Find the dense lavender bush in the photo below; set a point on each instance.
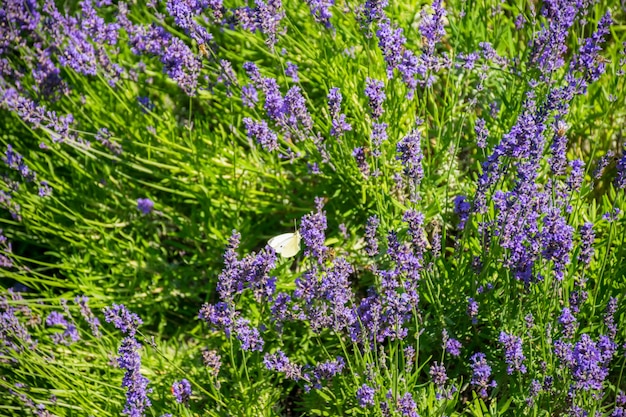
(455, 173)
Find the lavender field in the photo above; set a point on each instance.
(313, 208)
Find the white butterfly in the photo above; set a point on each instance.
(287, 244)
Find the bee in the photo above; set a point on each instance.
(203, 50)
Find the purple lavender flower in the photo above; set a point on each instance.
(472, 310)
(249, 336)
(620, 178)
(212, 360)
(558, 148)
(587, 237)
(292, 71)
(279, 362)
(104, 137)
(462, 208)
(373, 10)
(312, 230)
(88, 315)
(379, 135)
(557, 241)
(481, 372)
(438, 375)
(587, 60)
(182, 391)
(361, 162)
(145, 205)
(453, 347)
(603, 162)
(370, 236)
(609, 317)
(375, 92)
(261, 132)
(533, 391)
(325, 371)
(576, 175)
(391, 43)
(295, 105)
(481, 133)
(569, 323)
(227, 76)
(410, 154)
(16, 162)
(407, 406)
(365, 396)
(320, 9)
(513, 354)
(136, 384)
(432, 26)
(339, 124)
(123, 319)
(249, 95)
(589, 363)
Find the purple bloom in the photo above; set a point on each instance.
(123, 319)
(481, 133)
(379, 135)
(279, 362)
(438, 375)
(407, 406)
(431, 26)
(249, 95)
(609, 317)
(453, 347)
(292, 71)
(261, 132)
(136, 384)
(410, 154)
(587, 60)
(481, 372)
(320, 9)
(324, 371)
(312, 229)
(472, 310)
(391, 43)
(589, 362)
(16, 162)
(533, 392)
(576, 175)
(212, 360)
(339, 124)
(88, 315)
(513, 354)
(103, 136)
(587, 237)
(365, 396)
(557, 241)
(375, 92)
(558, 160)
(249, 336)
(370, 236)
(620, 178)
(295, 106)
(182, 391)
(603, 162)
(462, 208)
(359, 156)
(145, 205)
(569, 323)
(373, 10)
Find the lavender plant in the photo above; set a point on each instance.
(456, 172)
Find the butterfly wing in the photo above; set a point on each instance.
(287, 244)
(292, 246)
